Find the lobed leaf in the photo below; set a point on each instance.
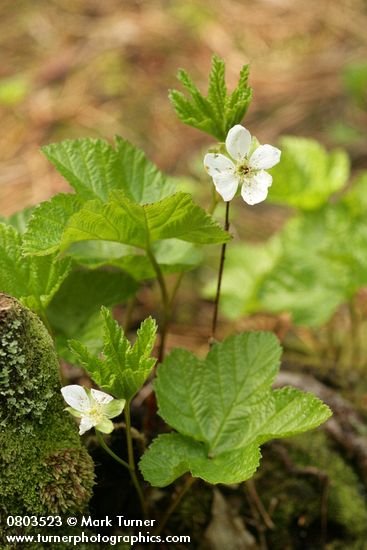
(172, 455)
(307, 270)
(33, 280)
(223, 409)
(120, 220)
(307, 175)
(94, 169)
(141, 181)
(123, 368)
(47, 224)
(88, 165)
(217, 113)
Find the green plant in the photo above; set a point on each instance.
(128, 222)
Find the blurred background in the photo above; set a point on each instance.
(72, 68)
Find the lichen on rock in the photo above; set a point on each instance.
(44, 468)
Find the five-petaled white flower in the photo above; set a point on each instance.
(248, 169)
(93, 407)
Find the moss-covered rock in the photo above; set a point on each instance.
(44, 468)
(294, 489)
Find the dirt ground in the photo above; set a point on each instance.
(73, 68)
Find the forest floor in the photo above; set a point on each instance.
(72, 68)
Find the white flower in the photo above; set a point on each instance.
(247, 169)
(93, 407)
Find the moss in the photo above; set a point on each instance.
(296, 498)
(28, 367)
(44, 468)
(68, 482)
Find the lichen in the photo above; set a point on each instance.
(44, 468)
(25, 388)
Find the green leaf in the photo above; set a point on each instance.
(306, 270)
(81, 296)
(124, 368)
(356, 198)
(217, 91)
(47, 226)
(239, 100)
(246, 267)
(223, 409)
(19, 220)
(218, 112)
(94, 254)
(141, 181)
(310, 288)
(94, 169)
(307, 175)
(89, 165)
(48, 222)
(173, 256)
(355, 81)
(172, 455)
(315, 273)
(33, 280)
(90, 336)
(120, 220)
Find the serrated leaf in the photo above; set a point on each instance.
(217, 90)
(120, 220)
(223, 409)
(33, 280)
(308, 280)
(172, 455)
(19, 220)
(307, 175)
(251, 363)
(94, 169)
(89, 165)
(97, 368)
(308, 287)
(141, 181)
(124, 368)
(217, 113)
(239, 100)
(48, 222)
(307, 270)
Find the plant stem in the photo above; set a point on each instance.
(175, 502)
(130, 452)
(220, 276)
(354, 333)
(253, 494)
(129, 312)
(176, 287)
(110, 451)
(165, 301)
